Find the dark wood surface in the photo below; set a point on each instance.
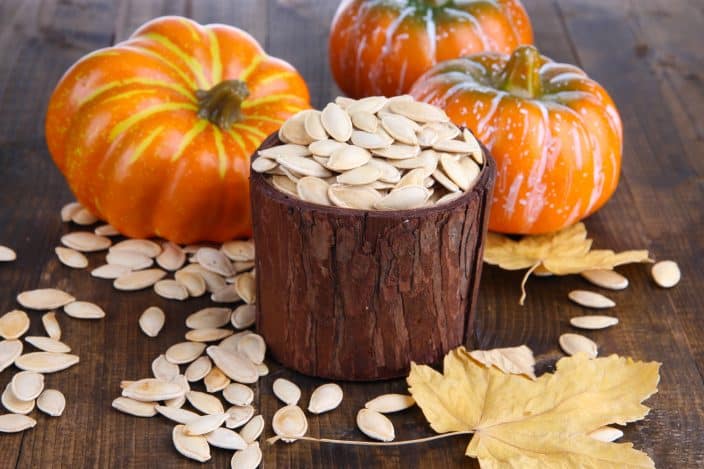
(647, 53)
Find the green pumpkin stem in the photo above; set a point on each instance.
(521, 75)
(222, 104)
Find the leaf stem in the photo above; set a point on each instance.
(426, 439)
(525, 280)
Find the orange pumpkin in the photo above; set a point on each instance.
(154, 135)
(380, 47)
(556, 134)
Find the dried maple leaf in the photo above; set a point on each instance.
(516, 360)
(561, 253)
(543, 423)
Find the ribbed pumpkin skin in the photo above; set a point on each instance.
(122, 126)
(380, 47)
(558, 155)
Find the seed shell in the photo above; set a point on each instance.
(139, 280)
(142, 246)
(606, 279)
(593, 322)
(287, 391)
(172, 256)
(133, 407)
(71, 258)
(248, 458)
(184, 352)
(45, 362)
(171, 290)
(575, 343)
(289, 421)
(152, 320)
(325, 398)
(198, 369)
(388, 403)
(253, 429)
(208, 318)
(239, 415)
(85, 241)
(84, 310)
(206, 403)
(163, 369)
(14, 324)
(238, 394)
(234, 364)
(9, 351)
(193, 447)
(132, 259)
(152, 389)
(226, 439)
(375, 425)
(15, 404)
(590, 299)
(176, 414)
(44, 298)
(336, 122)
(666, 273)
(52, 402)
(47, 344)
(110, 271)
(13, 423)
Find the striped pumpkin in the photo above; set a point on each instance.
(556, 134)
(154, 135)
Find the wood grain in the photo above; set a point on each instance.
(646, 53)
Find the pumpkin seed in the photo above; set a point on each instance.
(240, 251)
(348, 157)
(303, 166)
(234, 364)
(133, 407)
(47, 344)
(238, 394)
(593, 322)
(152, 390)
(172, 256)
(457, 172)
(198, 369)
(414, 177)
(45, 362)
(69, 210)
(388, 403)
(248, 458)
(666, 274)
(7, 254)
(336, 122)
(226, 294)
(365, 121)
(370, 104)
(427, 137)
(288, 149)
(375, 425)
(138, 280)
(214, 260)
(51, 325)
(253, 347)
(444, 181)
(152, 320)
(314, 190)
(207, 318)
(453, 146)
(13, 423)
(476, 149)
(204, 424)
(106, 230)
(84, 310)
(398, 151)
(362, 198)
(590, 299)
(184, 352)
(44, 298)
(51, 402)
(244, 316)
(132, 259)
(606, 434)
(213, 281)
(206, 403)
(575, 343)
(262, 369)
(313, 126)
(207, 335)
(192, 282)
(246, 287)
(293, 130)
(286, 391)
(262, 165)
(14, 404)
(176, 414)
(324, 148)
(370, 140)
(389, 173)
(192, 447)
(71, 258)
(27, 385)
(14, 324)
(344, 102)
(163, 369)
(171, 290)
(239, 415)
(284, 184)
(444, 130)
(110, 271)
(400, 128)
(83, 217)
(427, 159)
(449, 197)
(325, 398)
(9, 351)
(226, 439)
(418, 111)
(289, 421)
(606, 279)
(253, 429)
(142, 246)
(359, 176)
(404, 198)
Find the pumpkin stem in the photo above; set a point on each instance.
(521, 75)
(437, 3)
(222, 103)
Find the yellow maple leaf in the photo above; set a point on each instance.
(561, 253)
(542, 423)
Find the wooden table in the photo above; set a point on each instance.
(646, 52)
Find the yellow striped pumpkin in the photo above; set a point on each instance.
(154, 134)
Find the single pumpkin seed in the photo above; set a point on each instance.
(204, 424)
(365, 121)
(444, 130)
(234, 364)
(133, 407)
(262, 369)
(427, 159)
(9, 351)
(389, 173)
(314, 190)
(336, 122)
(226, 294)
(14, 404)
(152, 320)
(375, 425)
(239, 251)
(400, 128)
(171, 290)
(44, 298)
(606, 279)
(590, 299)
(52, 402)
(192, 281)
(138, 280)
(324, 148)
(213, 281)
(348, 157)
(455, 171)
(427, 137)
(238, 394)
(207, 318)
(666, 274)
(453, 146)
(176, 414)
(414, 177)
(206, 403)
(184, 352)
(303, 166)
(288, 149)
(85, 241)
(370, 104)
(198, 369)
(362, 198)
(84, 310)
(418, 111)
(14, 324)
(445, 181)
(344, 102)
(359, 176)
(449, 197)
(84, 217)
(231, 343)
(239, 415)
(476, 149)
(593, 322)
(245, 286)
(606, 434)
(71, 258)
(172, 256)
(398, 151)
(284, 184)
(207, 335)
(45, 362)
(152, 390)
(287, 391)
(248, 458)
(404, 198)
(226, 439)
(51, 325)
(193, 447)
(253, 429)
(388, 403)
(27, 385)
(106, 230)
(263, 165)
(69, 210)
(47, 344)
(370, 139)
(110, 271)
(214, 260)
(289, 421)
(314, 127)
(132, 259)
(253, 347)
(325, 398)
(142, 246)
(7, 254)
(13, 423)
(293, 130)
(575, 343)
(163, 369)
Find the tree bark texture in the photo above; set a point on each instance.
(357, 295)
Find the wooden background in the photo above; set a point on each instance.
(647, 53)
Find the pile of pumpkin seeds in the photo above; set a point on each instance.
(375, 153)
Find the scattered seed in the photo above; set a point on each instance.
(51, 325)
(593, 322)
(246, 287)
(226, 439)
(176, 414)
(575, 343)
(152, 320)
(14, 324)
(7, 254)
(606, 434)
(262, 369)
(83, 217)
(184, 352)
(163, 369)
(388, 403)
(133, 407)
(45, 362)
(244, 316)
(404, 198)
(336, 122)
(207, 335)
(241, 251)
(71, 258)
(207, 318)
(375, 425)
(84, 310)
(152, 389)
(206, 403)
(44, 298)
(204, 424)
(13, 423)
(9, 351)
(51, 402)
(47, 344)
(238, 394)
(171, 290)
(214, 260)
(253, 429)
(226, 294)
(110, 271)
(248, 458)
(325, 398)
(287, 391)
(142, 246)
(362, 198)
(106, 230)
(132, 259)
(172, 256)
(85, 241)
(194, 282)
(198, 369)
(418, 111)
(234, 364)
(606, 279)
(289, 421)
(138, 280)
(193, 447)
(68, 210)
(590, 299)
(231, 343)
(253, 347)
(666, 273)
(27, 385)
(14, 404)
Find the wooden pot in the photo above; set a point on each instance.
(357, 295)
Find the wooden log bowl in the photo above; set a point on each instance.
(357, 295)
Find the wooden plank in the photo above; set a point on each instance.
(131, 14)
(250, 15)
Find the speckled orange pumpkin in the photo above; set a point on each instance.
(154, 134)
(556, 134)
